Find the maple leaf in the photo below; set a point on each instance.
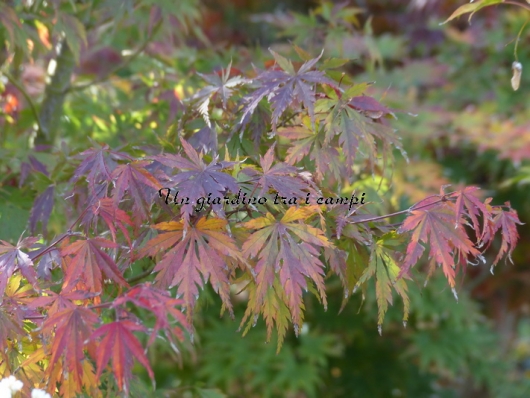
(304, 142)
(73, 326)
(12, 259)
(141, 185)
(106, 209)
(357, 134)
(201, 251)
(97, 165)
(278, 177)
(120, 344)
(199, 179)
(290, 248)
(273, 307)
(89, 262)
(301, 138)
(221, 85)
(467, 200)
(57, 302)
(369, 107)
(205, 140)
(41, 210)
(286, 87)
(506, 221)
(383, 265)
(434, 225)
(161, 305)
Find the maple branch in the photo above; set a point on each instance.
(237, 210)
(102, 305)
(68, 231)
(142, 275)
(398, 213)
(49, 248)
(54, 95)
(31, 317)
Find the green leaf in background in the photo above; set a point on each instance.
(472, 8)
(15, 207)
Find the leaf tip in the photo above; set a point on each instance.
(454, 293)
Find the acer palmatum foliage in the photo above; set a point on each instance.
(132, 264)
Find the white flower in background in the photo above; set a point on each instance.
(9, 385)
(37, 393)
(5, 391)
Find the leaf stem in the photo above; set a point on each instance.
(143, 275)
(398, 213)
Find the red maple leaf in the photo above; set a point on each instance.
(57, 302)
(506, 221)
(141, 185)
(73, 327)
(120, 344)
(106, 209)
(466, 200)
(97, 165)
(161, 305)
(434, 225)
(203, 250)
(89, 262)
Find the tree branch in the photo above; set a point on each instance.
(143, 275)
(54, 95)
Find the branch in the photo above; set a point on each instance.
(444, 198)
(143, 275)
(54, 95)
(70, 228)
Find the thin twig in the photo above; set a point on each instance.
(143, 275)
(59, 240)
(398, 213)
(69, 231)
